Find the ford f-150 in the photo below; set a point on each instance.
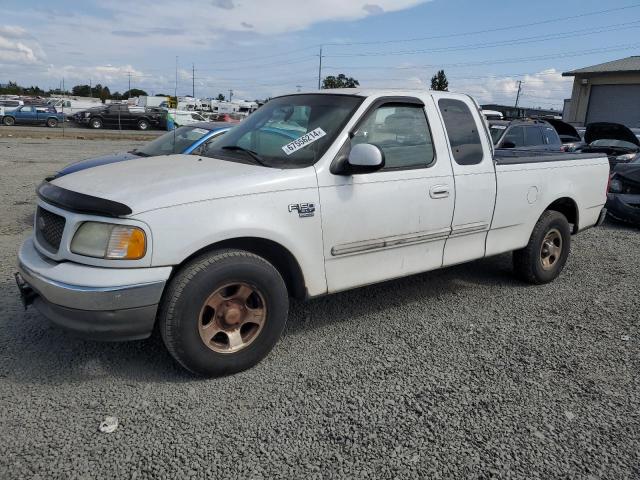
(373, 185)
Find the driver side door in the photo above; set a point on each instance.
(395, 221)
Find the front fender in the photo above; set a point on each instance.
(180, 231)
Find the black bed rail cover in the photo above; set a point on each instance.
(80, 202)
(515, 157)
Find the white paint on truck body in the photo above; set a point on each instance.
(366, 228)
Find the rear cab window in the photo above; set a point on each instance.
(462, 131)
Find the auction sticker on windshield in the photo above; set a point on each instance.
(303, 141)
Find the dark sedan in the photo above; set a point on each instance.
(623, 199)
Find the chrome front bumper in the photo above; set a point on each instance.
(98, 303)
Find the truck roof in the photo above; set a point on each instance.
(381, 92)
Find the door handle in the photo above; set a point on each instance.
(439, 191)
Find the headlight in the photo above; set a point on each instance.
(87, 114)
(105, 240)
(615, 186)
(626, 157)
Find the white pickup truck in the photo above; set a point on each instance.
(312, 194)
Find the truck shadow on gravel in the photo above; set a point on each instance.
(443, 284)
(37, 351)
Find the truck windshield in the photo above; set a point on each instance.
(288, 132)
(170, 143)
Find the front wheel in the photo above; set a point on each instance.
(95, 123)
(52, 122)
(544, 257)
(143, 125)
(9, 121)
(223, 312)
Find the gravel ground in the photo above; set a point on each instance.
(459, 373)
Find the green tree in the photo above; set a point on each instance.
(341, 81)
(104, 93)
(220, 97)
(134, 92)
(439, 82)
(81, 90)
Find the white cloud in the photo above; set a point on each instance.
(13, 31)
(547, 88)
(263, 17)
(16, 52)
(95, 74)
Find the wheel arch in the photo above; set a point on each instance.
(569, 208)
(275, 253)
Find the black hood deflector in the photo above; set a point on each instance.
(80, 202)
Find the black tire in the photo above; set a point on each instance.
(95, 122)
(9, 121)
(52, 122)
(180, 311)
(528, 262)
(143, 125)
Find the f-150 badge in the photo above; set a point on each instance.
(303, 209)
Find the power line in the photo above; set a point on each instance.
(488, 30)
(513, 41)
(576, 53)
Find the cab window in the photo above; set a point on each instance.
(462, 131)
(515, 135)
(402, 132)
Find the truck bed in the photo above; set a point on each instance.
(514, 156)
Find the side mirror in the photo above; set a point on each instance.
(365, 158)
(508, 144)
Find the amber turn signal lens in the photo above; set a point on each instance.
(126, 243)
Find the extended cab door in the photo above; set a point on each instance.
(474, 175)
(395, 221)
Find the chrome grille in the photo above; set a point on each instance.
(49, 229)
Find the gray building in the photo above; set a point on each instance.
(609, 92)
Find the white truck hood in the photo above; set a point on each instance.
(160, 182)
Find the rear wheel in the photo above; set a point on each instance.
(9, 121)
(143, 125)
(544, 257)
(52, 122)
(95, 123)
(223, 312)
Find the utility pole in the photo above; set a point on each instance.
(320, 70)
(518, 96)
(230, 94)
(90, 89)
(129, 91)
(193, 80)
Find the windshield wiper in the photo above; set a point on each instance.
(237, 148)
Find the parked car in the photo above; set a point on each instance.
(184, 117)
(615, 140)
(623, 200)
(381, 185)
(10, 105)
(71, 106)
(492, 115)
(32, 115)
(119, 115)
(187, 139)
(525, 135)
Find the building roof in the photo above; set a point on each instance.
(629, 64)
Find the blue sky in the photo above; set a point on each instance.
(269, 47)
